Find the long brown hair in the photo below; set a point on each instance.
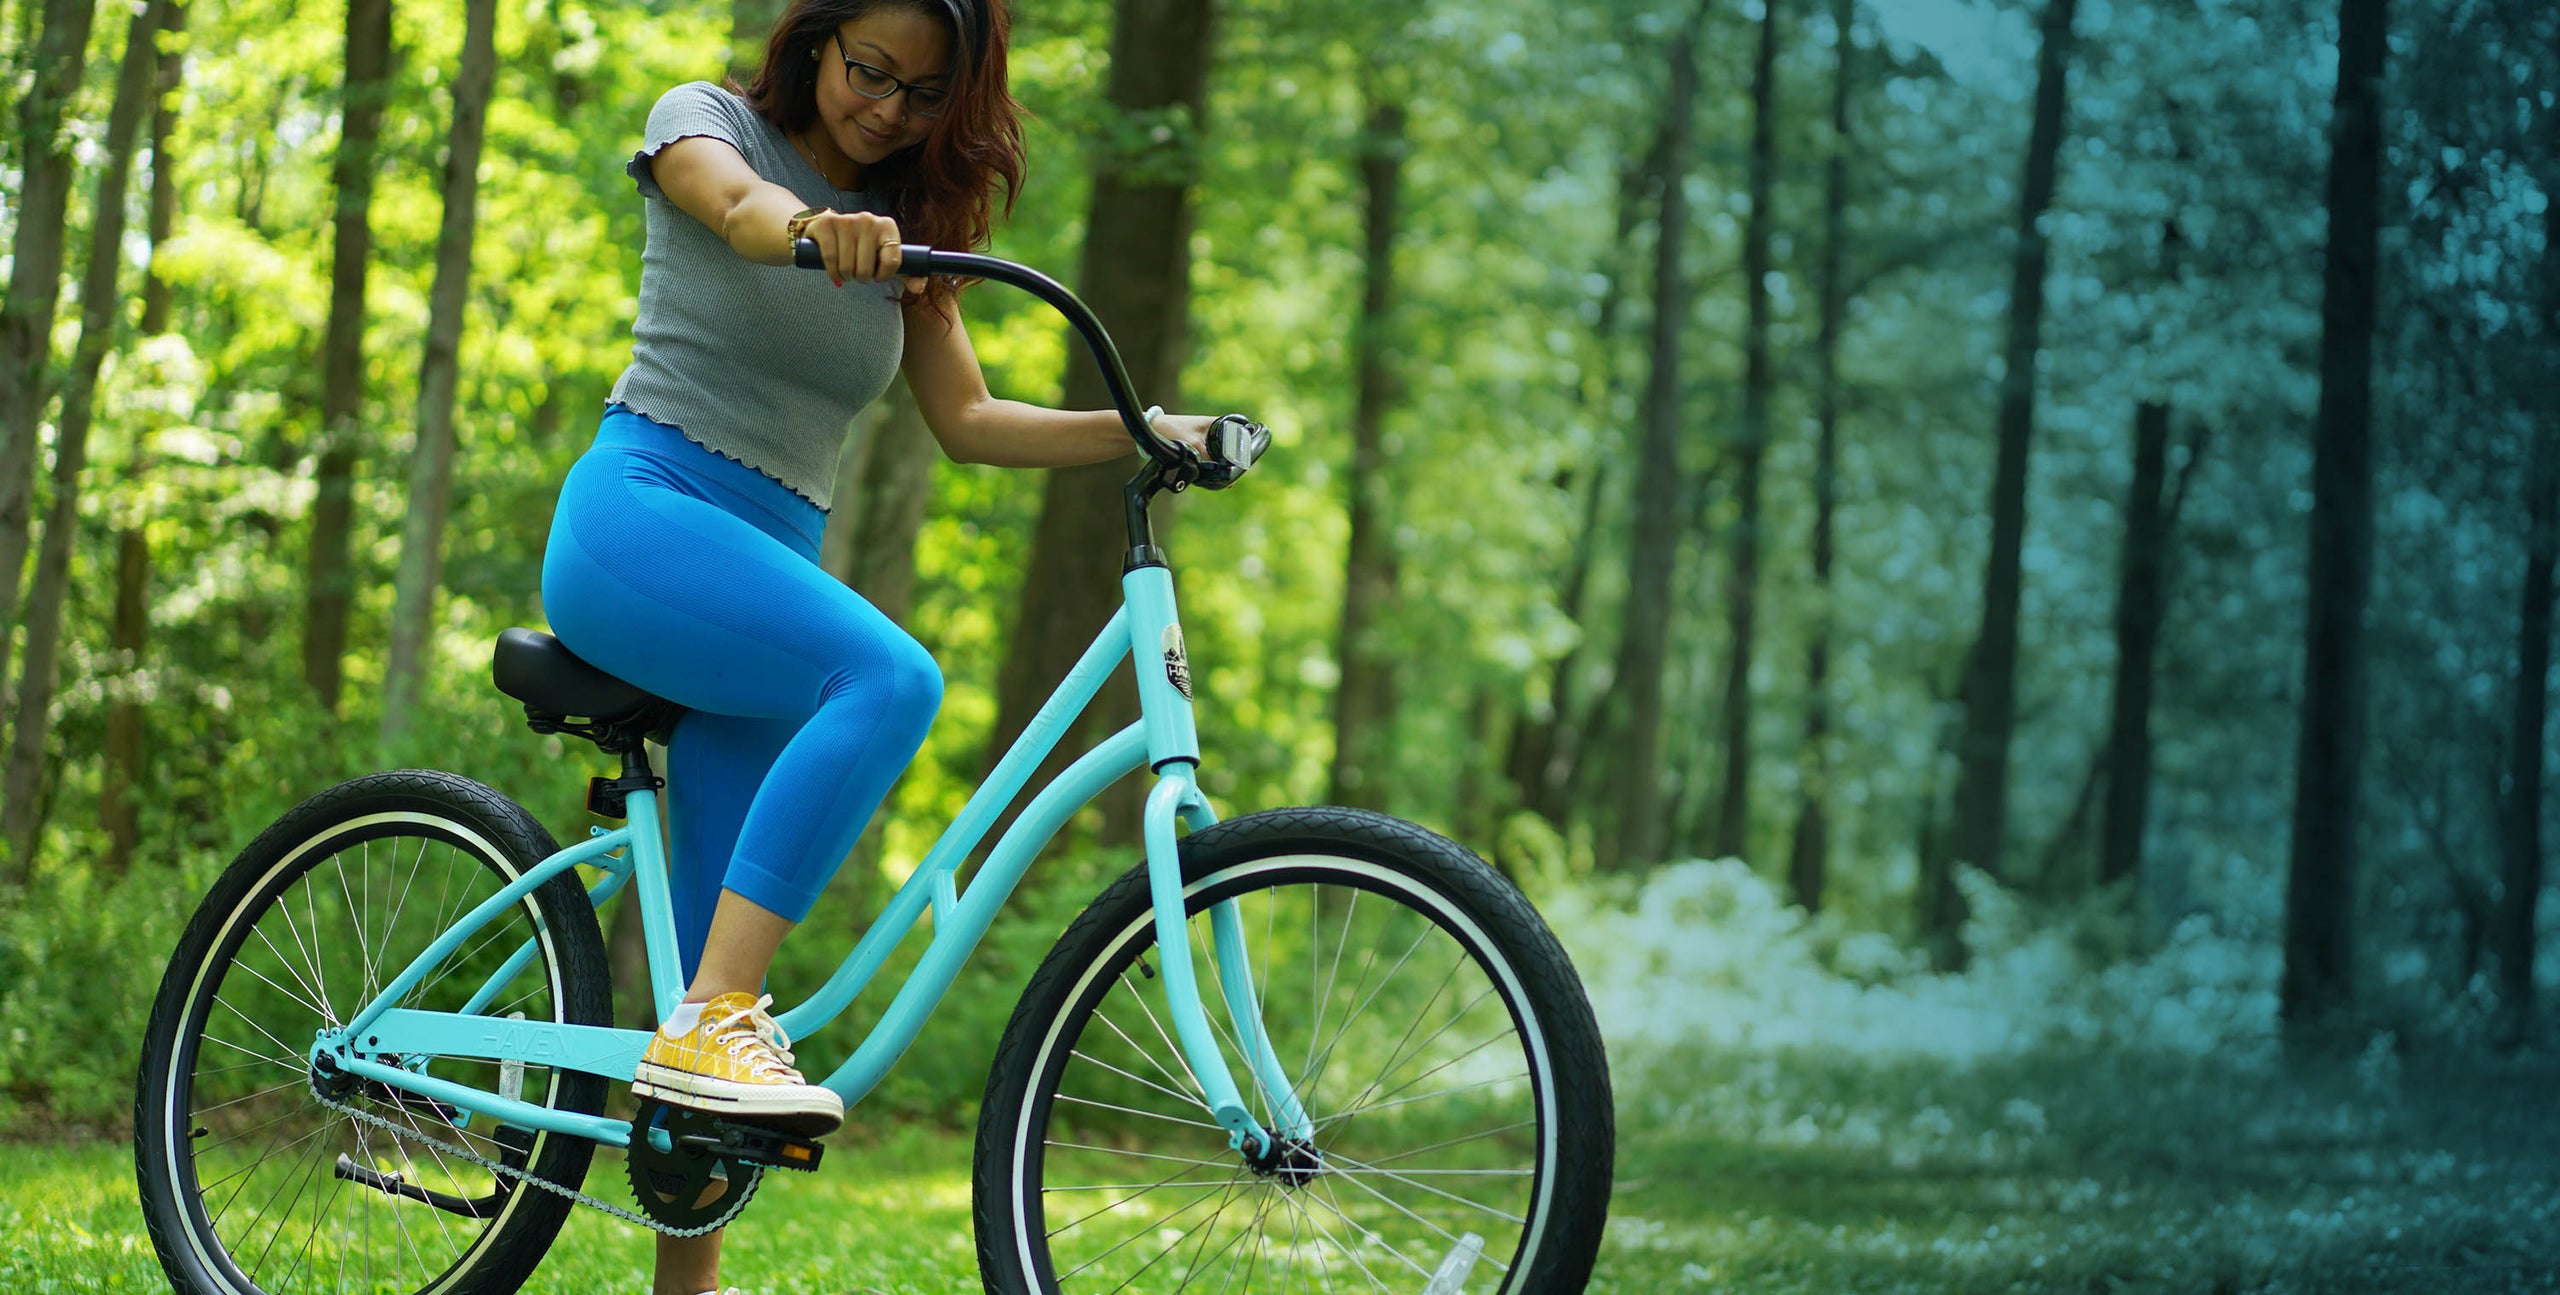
(941, 191)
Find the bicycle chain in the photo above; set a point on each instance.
(527, 1176)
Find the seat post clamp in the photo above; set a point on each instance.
(607, 797)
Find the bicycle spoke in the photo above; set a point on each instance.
(311, 910)
(203, 1111)
(1131, 1110)
(1399, 1057)
(356, 915)
(1169, 1044)
(286, 963)
(1345, 1251)
(1422, 1186)
(245, 1019)
(261, 1056)
(1186, 1208)
(1142, 1155)
(1114, 1026)
(308, 1166)
(1084, 1056)
(1253, 1230)
(1399, 1207)
(1123, 1187)
(1069, 1227)
(263, 1156)
(1224, 1194)
(1472, 1137)
(1339, 1116)
(1334, 1203)
(1506, 1034)
(1325, 1061)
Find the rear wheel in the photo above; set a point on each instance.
(1428, 1022)
(249, 1183)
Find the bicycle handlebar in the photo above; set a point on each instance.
(917, 259)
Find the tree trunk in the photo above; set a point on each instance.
(330, 578)
(1136, 274)
(1365, 698)
(2138, 607)
(2319, 930)
(881, 494)
(1542, 745)
(119, 812)
(1733, 809)
(1980, 825)
(35, 280)
(100, 309)
(750, 23)
(2515, 916)
(1807, 858)
(431, 469)
(1642, 650)
(164, 180)
(2522, 879)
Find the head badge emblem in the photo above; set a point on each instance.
(1176, 666)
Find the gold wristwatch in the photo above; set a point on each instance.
(793, 228)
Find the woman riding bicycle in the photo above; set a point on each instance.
(683, 554)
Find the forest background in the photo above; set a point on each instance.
(1989, 564)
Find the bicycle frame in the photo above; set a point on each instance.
(1145, 630)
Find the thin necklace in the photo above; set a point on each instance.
(803, 142)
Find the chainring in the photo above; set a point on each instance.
(669, 1185)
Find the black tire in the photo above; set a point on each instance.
(1048, 1134)
(354, 859)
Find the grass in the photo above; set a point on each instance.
(2071, 1173)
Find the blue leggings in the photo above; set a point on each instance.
(696, 577)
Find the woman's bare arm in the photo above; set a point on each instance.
(975, 427)
(709, 181)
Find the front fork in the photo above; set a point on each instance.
(1173, 749)
(1177, 794)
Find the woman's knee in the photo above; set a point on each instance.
(916, 684)
(895, 678)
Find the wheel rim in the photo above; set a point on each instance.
(1406, 1035)
(252, 1153)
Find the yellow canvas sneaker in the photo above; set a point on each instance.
(734, 1061)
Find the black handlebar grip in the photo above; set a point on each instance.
(913, 258)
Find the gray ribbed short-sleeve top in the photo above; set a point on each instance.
(765, 364)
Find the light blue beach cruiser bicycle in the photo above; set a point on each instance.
(1303, 1049)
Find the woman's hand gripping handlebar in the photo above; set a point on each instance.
(1234, 441)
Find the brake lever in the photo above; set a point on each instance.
(1182, 464)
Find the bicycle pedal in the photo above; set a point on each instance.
(756, 1146)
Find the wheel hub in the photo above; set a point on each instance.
(329, 1082)
(1292, 1162)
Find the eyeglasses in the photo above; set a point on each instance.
(924, 101)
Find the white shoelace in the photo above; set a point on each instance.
(762, 1048)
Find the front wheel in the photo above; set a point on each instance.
(1430, 1026)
